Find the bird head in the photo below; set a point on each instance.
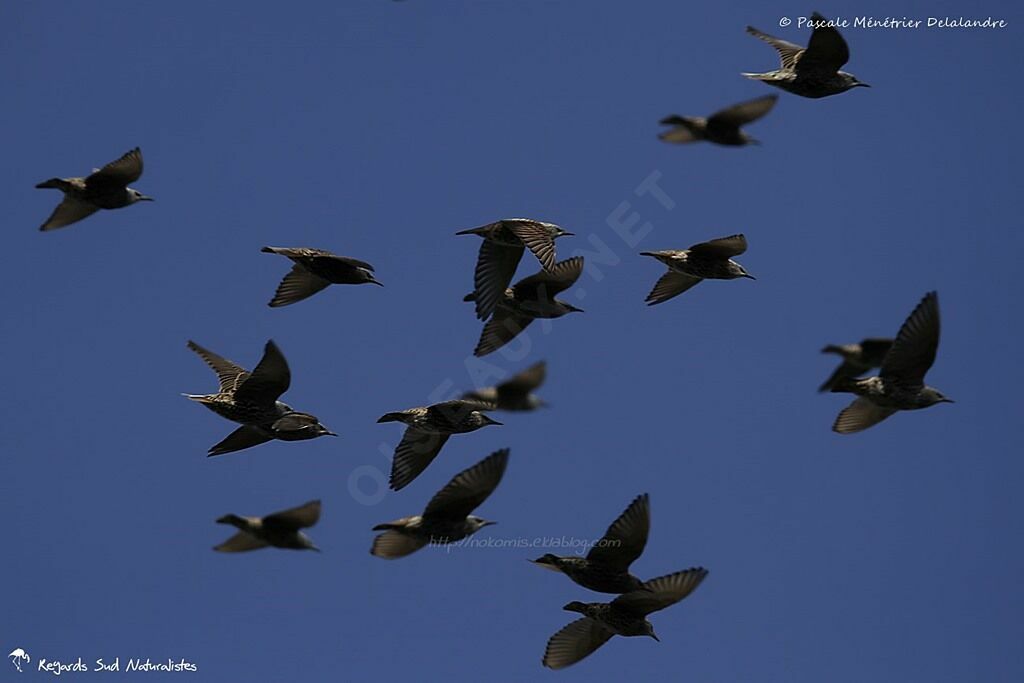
(486, 419)
(933, 396)
(548, 561)
(851, 81)
(477, 523)
(736, 270)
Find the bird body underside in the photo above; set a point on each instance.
(242, 413)
(614, 620)
(597, 577)
(436, 531)
(105, 198)
(706, 269)
(887, 394)
(803, 84)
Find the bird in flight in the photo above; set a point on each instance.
(723, 127)
(705, 261)
(315, 269)
(104, 188)
(280, 529)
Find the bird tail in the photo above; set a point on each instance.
(470, 297)
(832, 348)
(52, 184)
(472, 231)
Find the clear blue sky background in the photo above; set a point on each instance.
(377, 130)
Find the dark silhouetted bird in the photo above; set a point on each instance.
(516, 393)
(314, 269)
(605, 569)
(626, 615)
(447, 517)
(428, 429)
(814, 71)
(502, 248)
(104, 188)
(857, 359)
(705, 261)
(722, 127)
(280, 529)
(251, 399)
(900, 383)
(530, 298)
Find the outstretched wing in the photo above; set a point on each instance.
(574, 642)
(268, 380)
(661, 592)
(788, 52)
(914, 349)
(415, 452)
(117, 174)
(743, 113)
(293, 519)
(826, 51)
(297, 285)
(230, 374)
(626, 537)
(669, 285)
(469, 488)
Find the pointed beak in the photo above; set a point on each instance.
(495, 422)
(947, 400)
(329, 433)
(655, 637)
(864, 85)
(487, 523)
(376, 282)
(748, 275)
(574, 309)
(146, 198)
(566, 233)
(753, 141)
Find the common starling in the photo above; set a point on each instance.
(447, 518)
(251, 399)
(314, 269)
(857, 359)
(626, 615)
(900, 383)
(722, 127)
(502, 248)
(515, 394)
(104, 188)
(705, 261)
(605, 569)
(530, 298)
(812, 71)
(280, 529)
(428, 429)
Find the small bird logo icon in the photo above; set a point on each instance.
(18, 656)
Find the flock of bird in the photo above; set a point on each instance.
(252, 398)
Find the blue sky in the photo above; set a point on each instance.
(379, 129)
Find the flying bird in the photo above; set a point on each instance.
(605, 569)
(516, 393)
(251, 399)
(900, 383)
(447, 517)
(104, 188)
(813, 71)
(428, 429)
(315, 269)
(500, 252)
(857, 359)
(723, 127)
(530, 298)
(705, 261)
(280, 529)
(626, 615)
